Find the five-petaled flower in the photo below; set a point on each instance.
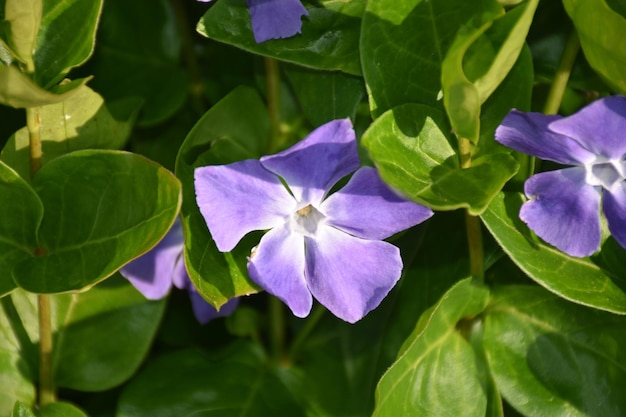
(153, 274)
(564, 205)
(275, 19)
(327, 247)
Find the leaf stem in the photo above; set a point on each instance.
(33, 124)
(472, 223)
(563, 71)
(277, 329)
(272, 79)
(310, 323)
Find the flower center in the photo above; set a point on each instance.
(604, 173)
(306, 220)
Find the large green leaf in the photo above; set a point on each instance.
(414, 155)
(329, 38)
(15, 379)
(191, 384)
(59, 409)
(20, 28)
(579, 280)
(436, 372)
(223, 135)
(551, 358)
(21, 212)
(82, 121)
(598, 27)
(66, 38)
(101, 210)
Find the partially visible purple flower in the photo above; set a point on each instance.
(154, 273)
(275, 19)
(564, 206)
(327, 247)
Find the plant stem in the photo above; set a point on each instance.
(272, 79)
(563, 71)
(472, 223)
(277, 329)
(310, 323)
(33, 124)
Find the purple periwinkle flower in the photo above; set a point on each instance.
(153, 274)
(327, 247)
(275, 19)
(564, 205)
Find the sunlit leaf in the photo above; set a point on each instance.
(20, 28)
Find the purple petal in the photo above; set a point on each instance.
(277, 265)
(152, 272)
(275, 19)
(205, 312)
(529, 133)
(564, 210)
(348, 275)
(599, 127)
(315, 164)
(614, 206)
(238, 198)
(366, 207)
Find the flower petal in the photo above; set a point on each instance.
(238, 198)
(564, 210)
(529, 133)
(205, 312)
(614, 206)
(367, 208)
(315, 164)
(152, 272)
(277, 265)
(599, 127)
(348, 275)
(275, 19)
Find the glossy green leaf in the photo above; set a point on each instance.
(223, 135)
(414, 155)
(436, 373)
(554, 358)
(326, 96)
(82, 121)
(329, 38)
(19, 91)
(101, 210)
(402, 64)
(189, 383)
(20, 28)
(18, 236)
(576, 279)
(66, 38)
(138, 54)
(598, 27)
(16, 381)
(60, 409)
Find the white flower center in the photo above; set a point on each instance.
(605, 173)
(306, 220)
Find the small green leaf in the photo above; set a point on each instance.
(60, 409)
(553, 358)
(66, 38)
(82, 121)
(436, 372)
(414, 155)
(101, 210)
(20, 28)
(223, 135)
(18, 237)
(579, 280)
(16, 380)
(329, 38)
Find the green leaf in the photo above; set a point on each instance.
(326, 96)
(60, 409)
(413, 155)
(402, 64)
(598, 26)
(19, 91)
(101, 210)
(66, 38)
(82, 121)
(20, 27)
(18, 237)
(16, 381)
(189, 383)
(329, 38)
(553, 358)
(436, 373)
(223, 135)
(579, 280)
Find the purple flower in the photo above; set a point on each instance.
(564, 206)
(154, 273)
(275, 19)
(329, 248)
